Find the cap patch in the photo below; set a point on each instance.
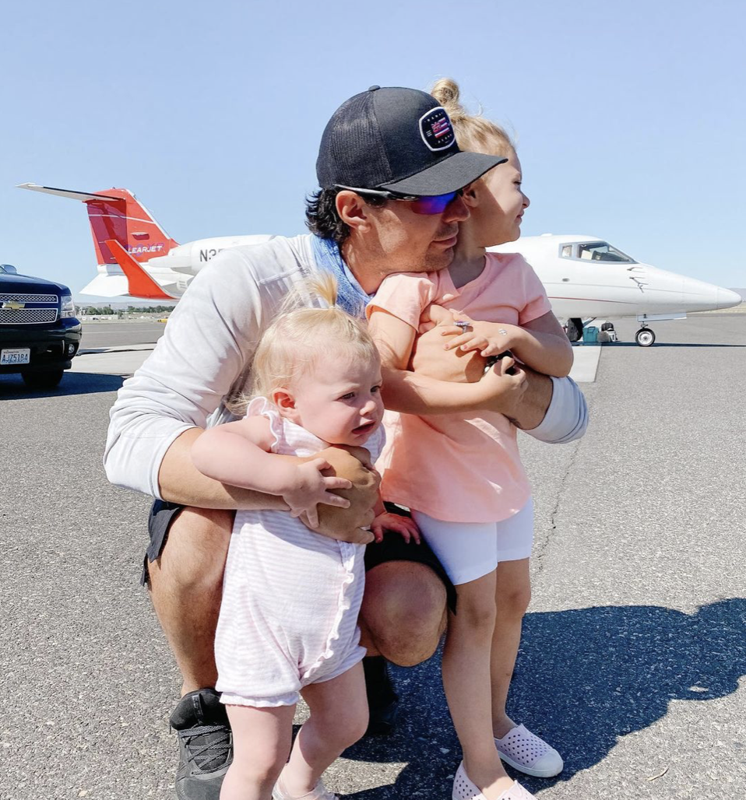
(436, 130)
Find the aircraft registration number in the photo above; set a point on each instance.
(18, 355)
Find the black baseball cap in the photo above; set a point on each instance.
(399, 140)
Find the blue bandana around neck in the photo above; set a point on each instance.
(350, 295)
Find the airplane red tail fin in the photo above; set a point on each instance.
(119, 216)
(115, 214)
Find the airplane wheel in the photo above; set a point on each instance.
(645, 337)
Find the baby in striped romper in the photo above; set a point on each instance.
(291, 597)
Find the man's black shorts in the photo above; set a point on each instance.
(392, 548)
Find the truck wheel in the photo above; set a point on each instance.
(43, 380)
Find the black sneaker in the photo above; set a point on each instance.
(205, 745)
(383, 701)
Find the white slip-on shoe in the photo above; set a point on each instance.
(319, 792)
(529, 754)
(465, 789)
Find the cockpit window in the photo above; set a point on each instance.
(566, 251)
(602, 251)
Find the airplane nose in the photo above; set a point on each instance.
(728, 299)
(701, 296)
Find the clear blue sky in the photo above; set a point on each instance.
(630, 117)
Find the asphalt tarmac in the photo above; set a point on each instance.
(634, 648)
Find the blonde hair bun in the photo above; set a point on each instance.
(447, 93)
(473, 132)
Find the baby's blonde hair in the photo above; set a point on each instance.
(299, 338)
(473, 132)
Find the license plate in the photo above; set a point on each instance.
(19, 355)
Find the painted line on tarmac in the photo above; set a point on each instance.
(585, 366)
(121, 361)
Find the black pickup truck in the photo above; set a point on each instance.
(39, 334)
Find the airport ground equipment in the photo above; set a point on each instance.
(39, 333)
(590, 334)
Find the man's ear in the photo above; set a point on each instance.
(285, 403)
(352, 210)
(470, 193)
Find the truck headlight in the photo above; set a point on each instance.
(67, 307)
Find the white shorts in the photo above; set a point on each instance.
(470, 550)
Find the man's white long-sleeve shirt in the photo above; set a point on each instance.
(203, 356)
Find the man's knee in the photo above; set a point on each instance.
(403, 611)
(193, 556)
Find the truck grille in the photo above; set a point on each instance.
(27, 316)
(32, 313)
(5, 297)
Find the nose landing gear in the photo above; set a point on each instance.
(645, 337)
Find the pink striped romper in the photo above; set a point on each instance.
(291, 597)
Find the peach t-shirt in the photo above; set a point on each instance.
(459, 467)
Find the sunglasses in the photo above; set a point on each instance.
(428, 206)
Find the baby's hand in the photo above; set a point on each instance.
(489, 338)
(312, 488)
(406, 526)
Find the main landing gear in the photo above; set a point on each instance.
(644, 337)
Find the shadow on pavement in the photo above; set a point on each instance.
(584, 678)
(13, 387)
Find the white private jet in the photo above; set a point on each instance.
(585, 278)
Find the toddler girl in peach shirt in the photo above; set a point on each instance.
(460, 472)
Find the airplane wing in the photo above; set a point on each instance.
(107, 286)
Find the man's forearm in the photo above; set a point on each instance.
(534, 404)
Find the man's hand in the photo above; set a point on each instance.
(431, 359)
(311, 487)
(347, 524)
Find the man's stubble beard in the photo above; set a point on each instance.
(441, 261)
(436, 261)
